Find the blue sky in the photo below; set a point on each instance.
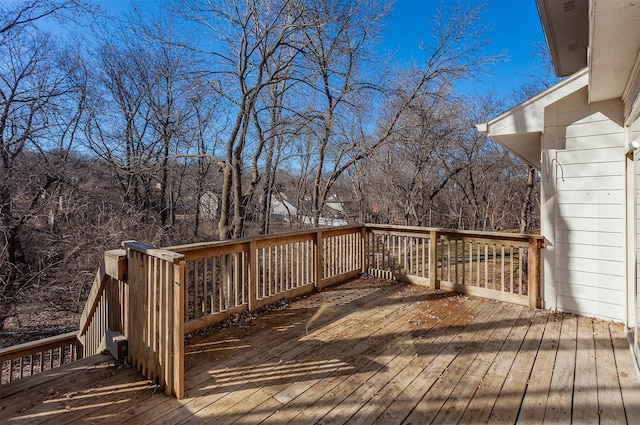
(513, 28)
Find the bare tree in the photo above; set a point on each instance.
(343, 88)
(197, 146)
(248, 39)
(118, 129)
(339, 38)
(155, 85)
(28, 14)
(272, 134)
(170, 83)
(42, 96)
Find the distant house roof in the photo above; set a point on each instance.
(519, 129)
(287, 210)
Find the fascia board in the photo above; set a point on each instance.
(528, 117)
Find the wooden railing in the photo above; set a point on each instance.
(107, 303)
(501, 266)
(223, 278)
(27, 359)
(154, 313)
(155, 296)
(341, 256)
(103, 311)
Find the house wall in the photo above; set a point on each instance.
(633, 267)
(583, 201)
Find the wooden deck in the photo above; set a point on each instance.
(364, 352)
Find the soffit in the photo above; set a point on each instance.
(566, 29)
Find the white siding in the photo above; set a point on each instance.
(613, 183)
(582, 162)
(592, 210)
(586, 306)
(606, 295)
(592, 196)
(585, 170)
(592, 252)
(589, 229)
(575, 263)
(574, 277)
(595, 224)
(587, 238)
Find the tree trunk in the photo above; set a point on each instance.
(527, 205)
(225, 205)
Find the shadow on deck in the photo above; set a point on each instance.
(368, 351)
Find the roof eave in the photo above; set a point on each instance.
(566, 30)
(519, 129)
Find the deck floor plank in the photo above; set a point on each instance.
(355, 342)
(367, 358)
(462, 396)
(436, 356)
(539, 383)
(486, 395)
(138, 404)
(97, 384)
(394, 361)
(464, 349)
(318, 318)
(335, 350)
(327, 318)
(308, 317)
(393, 386)
(627, 377)
(507, 405)
(365, 352)
(610, 404)
(558, 409)
(322, 359)
(319, 400)
(585, 399)
(36, 382)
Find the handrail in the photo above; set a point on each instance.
(510, 236)
(33, 347)
(184, 249)
(488, 264)
(150, 250)
(36, 356)
(113, 266)
(223, 278)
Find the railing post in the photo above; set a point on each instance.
(133, 277)
(533, 269)
(363, 249)
(253, 275)
(113, 300)
(433, 259)
(317, 245)
(178, 329)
